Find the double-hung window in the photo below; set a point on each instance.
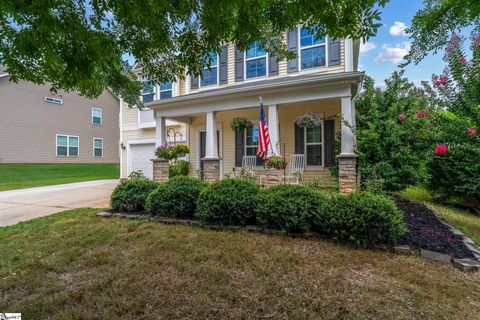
(148, 91)
(97, 147)
(255, 61)
(96, 116)
(251, 142)
(67, 146)
(314, 146)
(312, 49)
(166, 90)
(210, 73)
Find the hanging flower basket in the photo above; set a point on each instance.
(309, 120)
(239, 124)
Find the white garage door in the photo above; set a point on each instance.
(140, 158)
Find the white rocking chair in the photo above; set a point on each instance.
(296, 168)
(249, 162)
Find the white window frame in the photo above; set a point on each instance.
(245, 139)
(245, 60)
(218, 75)
(155, 91)
(305, 144)
(68, 145)
(101, 115)
(300, 48)
(95, 156)
(159, 90)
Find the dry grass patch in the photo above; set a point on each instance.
(74, 265)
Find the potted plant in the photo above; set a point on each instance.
(165, 152)
(240, 123)
(309, 120)
(276, 162)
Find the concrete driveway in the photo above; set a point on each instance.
(26, 204)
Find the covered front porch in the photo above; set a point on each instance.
(217, 151)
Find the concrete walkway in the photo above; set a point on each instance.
(25, 204)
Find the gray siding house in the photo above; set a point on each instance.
(37, 126)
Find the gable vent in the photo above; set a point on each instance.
(53, 100)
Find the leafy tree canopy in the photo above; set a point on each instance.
(80, 45)
(432, 26)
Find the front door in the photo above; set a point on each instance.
(203, 146)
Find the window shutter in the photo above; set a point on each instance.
(292, 42)
(223, 64)
(238, 65)
(299, 140)
(334, 55)
(329, 141)
(193, 82)
(239, 147)
(272, 65)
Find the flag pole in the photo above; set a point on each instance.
(271, 145)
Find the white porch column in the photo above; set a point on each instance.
(211, 148)
(274, 147)
(161, 131)
(347, 138)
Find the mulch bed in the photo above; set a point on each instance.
(426, 231)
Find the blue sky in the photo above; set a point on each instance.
(381, 55)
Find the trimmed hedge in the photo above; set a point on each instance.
(176, 198)
(290, 208)
(130, 195)
(362, 218)
(228, 202)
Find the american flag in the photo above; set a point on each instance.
(263, 136)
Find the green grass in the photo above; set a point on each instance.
(462, 220)
(19, 176)
(75, 265)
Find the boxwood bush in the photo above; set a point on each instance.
(176, 198)
(228, 202)
(362, 218)
(130, 195)
(290, 208)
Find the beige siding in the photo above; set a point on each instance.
(28, 125)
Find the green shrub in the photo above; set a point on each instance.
(130, 195)
(179, 168)
(176, 198)
(362, 218)
(289, 208)
(228, 202)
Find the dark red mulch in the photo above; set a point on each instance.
(426, 231)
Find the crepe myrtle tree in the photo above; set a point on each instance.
(82, 45)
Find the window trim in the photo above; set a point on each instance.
(160, 91)
(245, 146)
(68, 145)
(245, 60)
(218, 75)
(300, 48)
(95, 156)
(322, 144)
(154, 92)
(101, 116)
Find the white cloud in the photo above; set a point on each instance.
(398, 29)
(367, 47)
(394, 54)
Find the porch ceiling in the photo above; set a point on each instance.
(283, 90)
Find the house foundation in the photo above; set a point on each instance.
(211, 169)
(347, 173)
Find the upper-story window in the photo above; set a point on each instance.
(312, 49)
(210, 72)
(255, 61)
(96, 116)
(148, 91)
(166, 90)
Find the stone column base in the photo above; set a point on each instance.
(160, 170)
(347, 173)
(211, 169)
(273, 177)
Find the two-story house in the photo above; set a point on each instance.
(323, 79)
(37, 126)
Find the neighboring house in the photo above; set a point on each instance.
(37, 126)
(322, 79)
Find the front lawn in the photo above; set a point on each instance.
(19, 176)
(75, 265)
(462, 220)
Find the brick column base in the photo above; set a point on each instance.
(211, 169)
(273, 177)
(160, 170)
(347, 173)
